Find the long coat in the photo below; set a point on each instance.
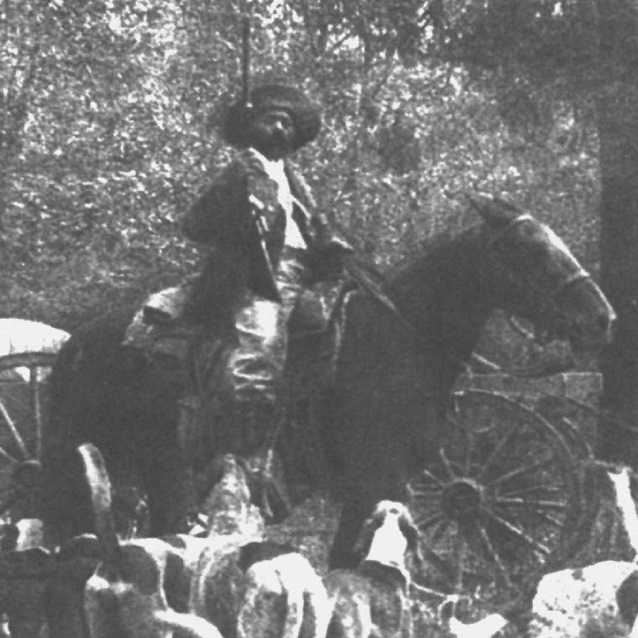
(223, 219)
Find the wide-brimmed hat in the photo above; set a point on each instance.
(305, 114)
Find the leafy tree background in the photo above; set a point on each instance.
(108, 131)
(109, 110)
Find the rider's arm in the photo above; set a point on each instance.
(221, 214)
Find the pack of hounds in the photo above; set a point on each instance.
(229, 582)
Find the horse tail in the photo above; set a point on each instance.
(101, 503)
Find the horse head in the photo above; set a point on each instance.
(541, 280)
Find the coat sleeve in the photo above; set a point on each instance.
(221, 215)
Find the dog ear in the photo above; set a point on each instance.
(144, 569)
(364, 540)
(412, 535)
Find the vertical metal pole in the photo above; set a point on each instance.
(245, 61)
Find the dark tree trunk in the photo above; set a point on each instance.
(618, 129)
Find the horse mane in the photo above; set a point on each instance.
(428, 249)
(383, 279)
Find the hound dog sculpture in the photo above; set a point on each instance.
(600, 599)
(248, 587)
(372, 600)
(125, 596)
(232, 580)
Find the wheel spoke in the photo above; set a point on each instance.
(552, 520)
(540, 464)
(424, 491)
(519, 533)
(469, 447)
(496, 452)
(493, 554)
(460, 553)
(423, 524)
(8, 457)
(553, 505)
(14, 431)
(468, 454)
(36, 408)
(21, 432)
(432, 477)
(540, 509)
(547, 488)
(447, 464)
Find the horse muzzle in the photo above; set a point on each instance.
(590, 318)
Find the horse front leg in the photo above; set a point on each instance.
(168, 486)
(359, 503)
(353, 515)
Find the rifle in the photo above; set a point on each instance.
(256, 206)
(245, 61)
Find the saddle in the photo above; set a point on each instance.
(171, 340)
(193, 357)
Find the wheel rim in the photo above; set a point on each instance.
(502, 497)
(21, 422)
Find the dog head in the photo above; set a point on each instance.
(122, 600)
(229, 504)
(390, 537)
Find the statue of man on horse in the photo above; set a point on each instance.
(267, 244)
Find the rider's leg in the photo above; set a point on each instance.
(256, 368)
(256, 365)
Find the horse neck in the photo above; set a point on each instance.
(445, 296)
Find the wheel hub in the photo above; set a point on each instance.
(461, 499)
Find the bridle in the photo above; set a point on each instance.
(554, 296)
(570, 282)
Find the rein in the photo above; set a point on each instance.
(576, 278)
(549, 299)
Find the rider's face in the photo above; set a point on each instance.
(273, 133)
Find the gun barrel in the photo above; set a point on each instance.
(245, 61)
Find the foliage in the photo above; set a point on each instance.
(108, 132)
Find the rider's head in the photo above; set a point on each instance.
(278, 120)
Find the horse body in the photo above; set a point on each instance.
(393, 380)
(105, 394)
(395, 370)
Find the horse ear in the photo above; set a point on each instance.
(494, 211)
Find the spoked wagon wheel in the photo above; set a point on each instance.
(22, 406)
(503, 498)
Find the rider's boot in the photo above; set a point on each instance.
(256, 425)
